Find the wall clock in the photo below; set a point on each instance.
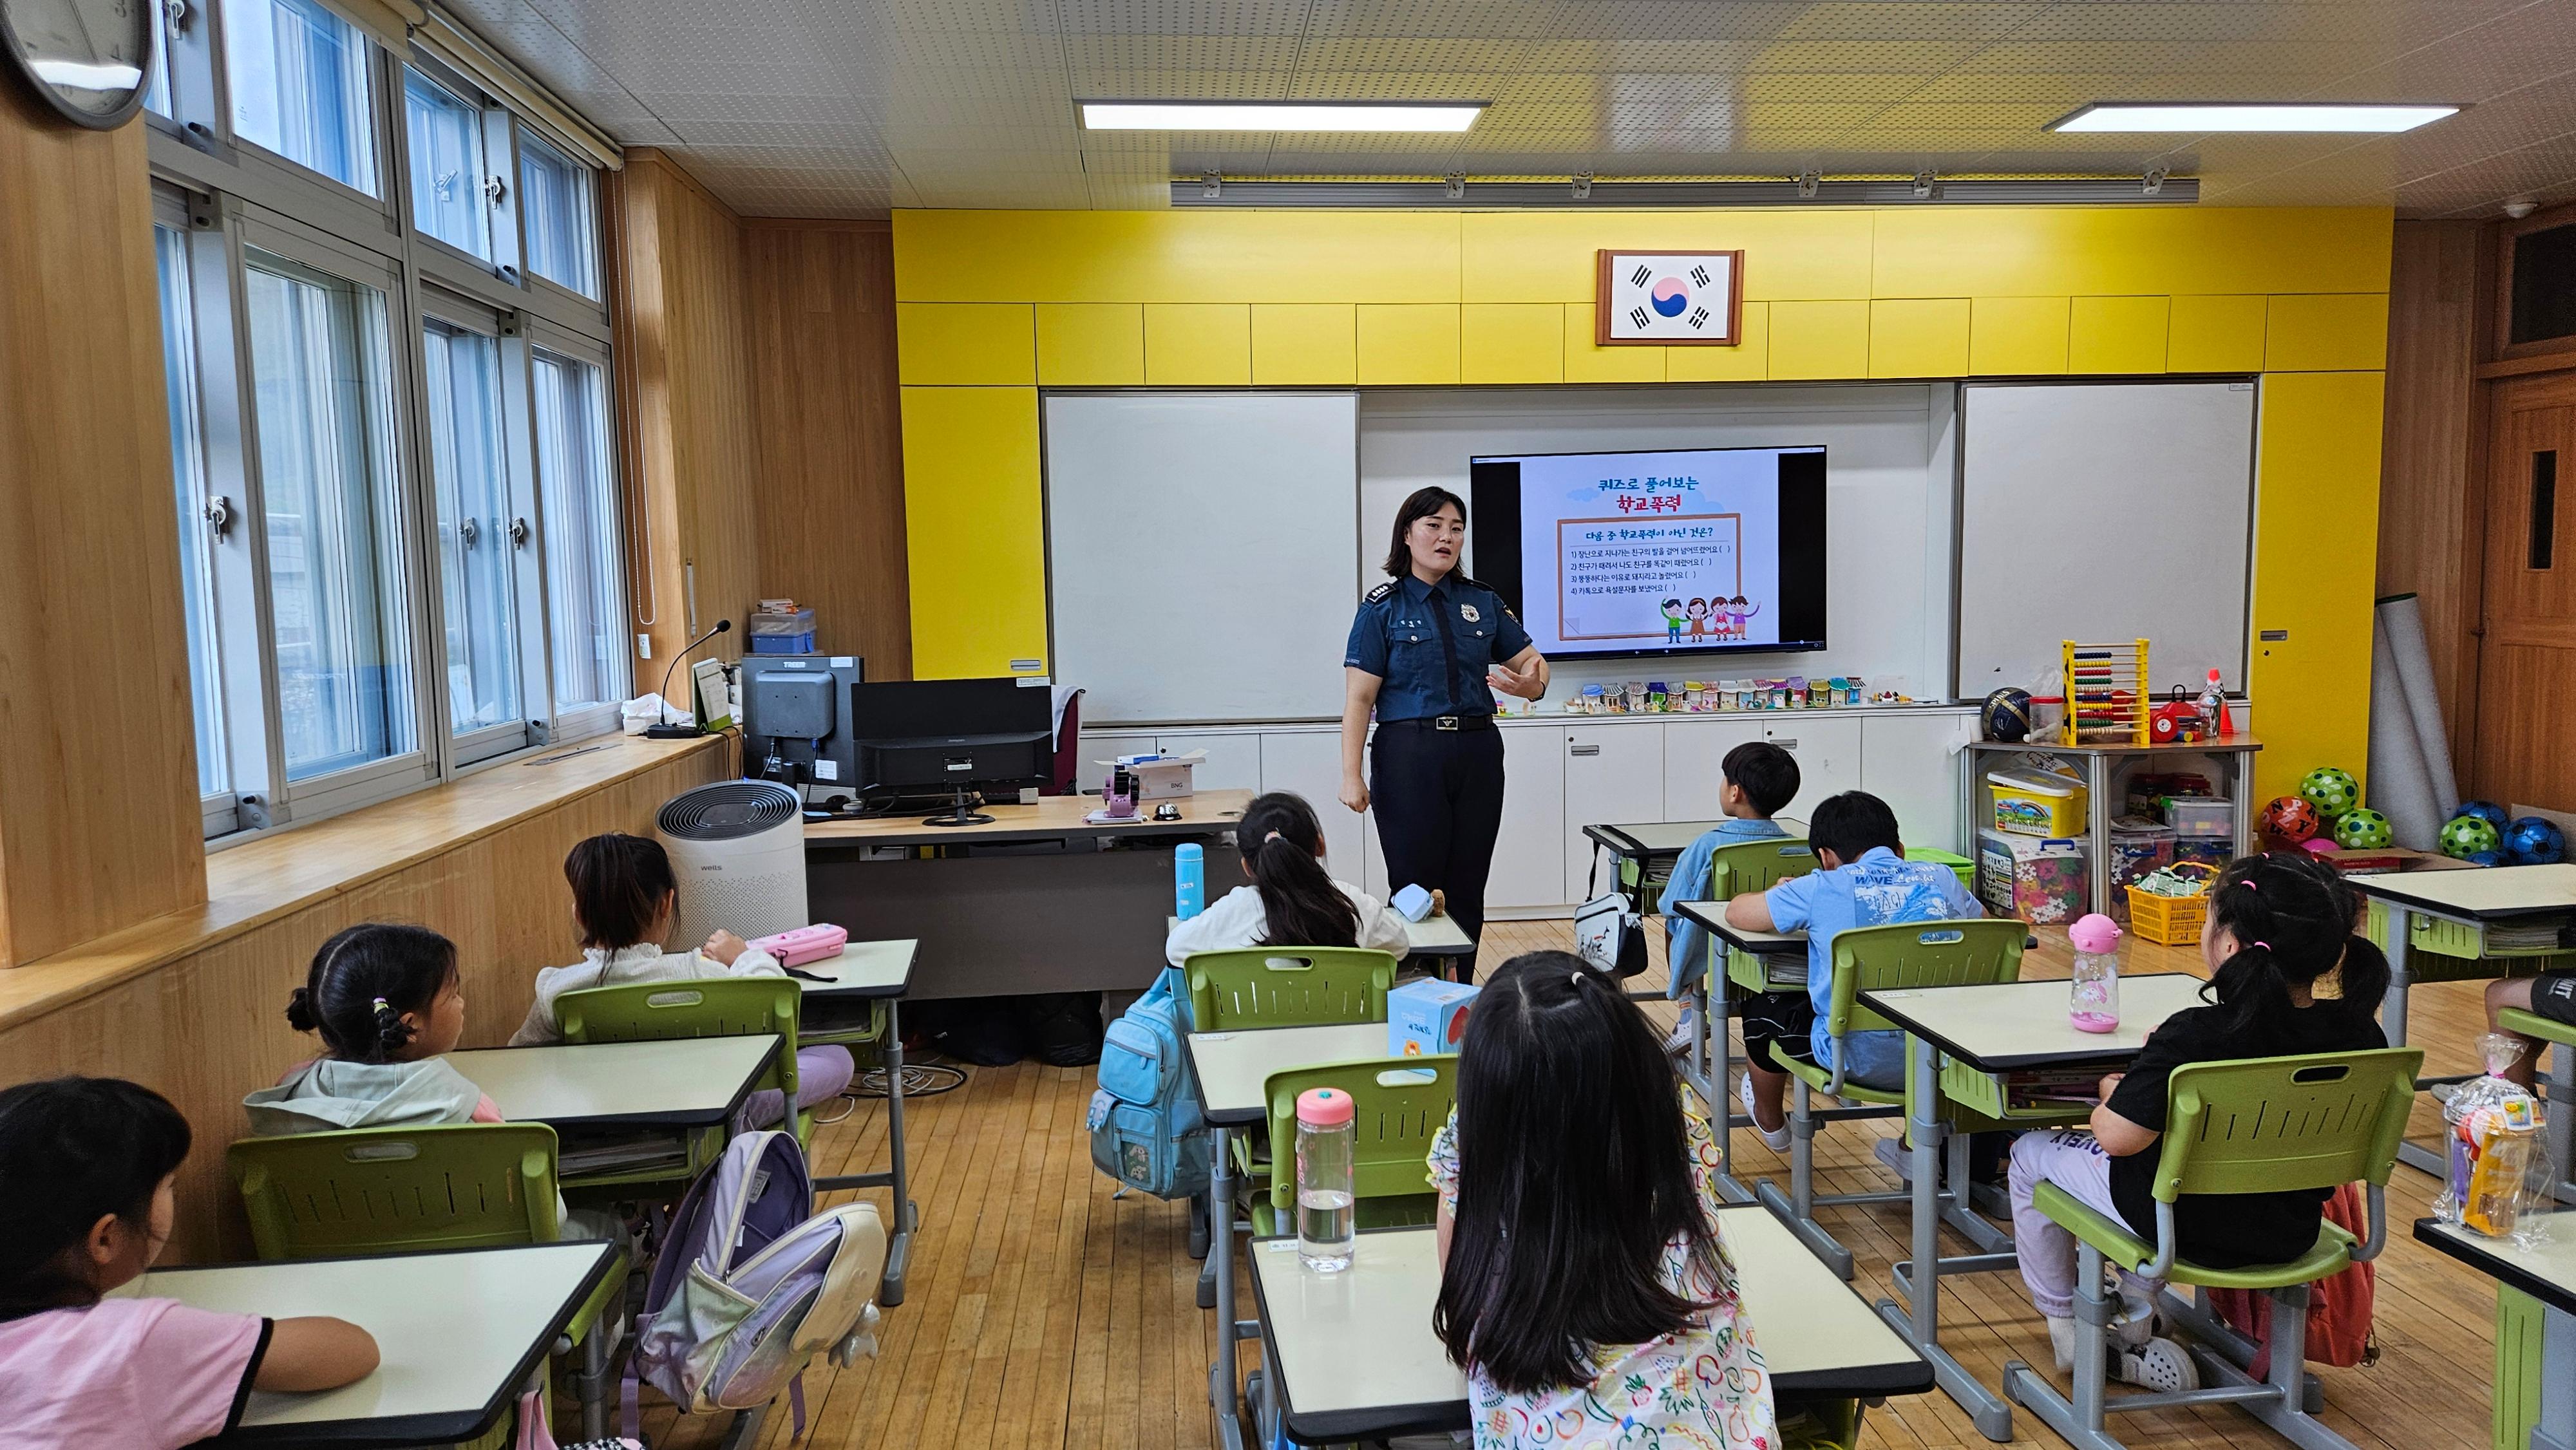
(89, 59)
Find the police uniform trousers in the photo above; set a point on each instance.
(1438, 795)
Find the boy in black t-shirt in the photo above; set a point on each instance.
(2288, 977)
(2551, 995)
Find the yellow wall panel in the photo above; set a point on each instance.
(1091, 344)
(2116, 335)
(1554, 256)
(1304, 344)
(2317, 457)
(1175, 256)
(2314, 334)
(2012, 335)
(1938, 251)
(2221, 334)
(966, 343)
(1819, 340)
(1197, 345)
(1749, 361)
(1408, 342)
(1587, 362)
(1918, 337)
(1511, 342)
(970, 471)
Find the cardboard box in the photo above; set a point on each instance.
(1427, 1018)
(1160, 777)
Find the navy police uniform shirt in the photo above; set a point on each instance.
(1431, 644)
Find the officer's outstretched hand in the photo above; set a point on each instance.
(1523, 684)
(1355, 794)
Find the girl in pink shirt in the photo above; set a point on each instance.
(87, 1163)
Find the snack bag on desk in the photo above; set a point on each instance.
(2498, 1158)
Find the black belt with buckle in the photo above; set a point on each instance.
(1447, 722)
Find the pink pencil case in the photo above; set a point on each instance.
(804, 944)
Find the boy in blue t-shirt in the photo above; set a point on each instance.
(1861, 879)
(1759, 779)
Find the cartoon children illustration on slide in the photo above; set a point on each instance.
(1697, 609)
(1672, 621)
(1737, 614)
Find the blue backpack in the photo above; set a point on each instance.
(1146, 1128)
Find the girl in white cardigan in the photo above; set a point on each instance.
(624, 896)
(1291, 900)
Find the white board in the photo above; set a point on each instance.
(1200, 552)
(2104, 512)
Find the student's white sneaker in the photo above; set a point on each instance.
(1684, 1032)
(1775, 1139)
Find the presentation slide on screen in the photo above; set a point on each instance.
(1649, 550)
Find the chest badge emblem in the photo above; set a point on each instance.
(1468, 613)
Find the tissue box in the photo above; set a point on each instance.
(1428, 1017)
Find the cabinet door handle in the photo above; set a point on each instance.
(1791, 743)
(1587, 750)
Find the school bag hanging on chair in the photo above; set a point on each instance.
(1146, 1128)
(2339, 1305)
(751, 1284)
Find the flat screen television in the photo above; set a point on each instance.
(1688, 551)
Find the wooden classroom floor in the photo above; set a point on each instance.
(1044, 1313)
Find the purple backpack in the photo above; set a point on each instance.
(751, 1284)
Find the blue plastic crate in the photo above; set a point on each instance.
(783, 644)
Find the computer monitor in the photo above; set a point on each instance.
(958, 736)
(796, 713)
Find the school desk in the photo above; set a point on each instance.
(1983, 1048)
(992, 905)
(1231, 1068)
(2446, 916)
(2101, 766)
(856, 1002)
(1437, 936)
(675, 1082)
(1772, 961)
(1652, 848)
(458, 1333)
(2535, 1364)
(1351, 1355)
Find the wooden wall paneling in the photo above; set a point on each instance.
(211, 1026)
(2430, 532)
(829, 491)
(98, 772)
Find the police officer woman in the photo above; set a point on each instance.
(1427, 651)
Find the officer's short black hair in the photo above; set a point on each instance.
(1767, 774)
(1851, 825)
(1422, 504)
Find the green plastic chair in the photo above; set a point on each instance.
(405, 1190)
(2259, 1125)
(1398, 1104)
(2536, 1027)
(1754, 866)
(1252, 987)
(696, 1007)
(1968, 952)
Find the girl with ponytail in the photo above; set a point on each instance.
(388, 1004)
(1291, 899)
(2288, 976)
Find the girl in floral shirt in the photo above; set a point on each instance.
(1586, 1290)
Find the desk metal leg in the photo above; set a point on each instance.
(2392, 1019)
(2557, 1427)
(2562, 1124)
(1223, 1402)
(907, 1214)
(1713, 1079)
(1920, 1278)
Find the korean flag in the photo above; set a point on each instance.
(1669, 297)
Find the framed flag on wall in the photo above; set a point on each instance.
(1661, 299)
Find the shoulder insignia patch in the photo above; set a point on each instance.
(1380, 592)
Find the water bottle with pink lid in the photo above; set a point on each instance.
(2094, 1004)
(1327, 1144)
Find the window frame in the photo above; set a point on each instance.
(581, 721)
(588, 301)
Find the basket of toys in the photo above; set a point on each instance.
(2167, 907)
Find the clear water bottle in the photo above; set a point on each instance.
(1327, 1223)
(2213, 707)
(1189, 880)
(2094, 1003)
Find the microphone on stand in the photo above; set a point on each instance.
(662, 730)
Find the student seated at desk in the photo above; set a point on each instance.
(2288, 976)
(624, 896)
(1861, 879)
(2551, 995)
(1585, 1289)
(1292, 900)
(1758, 780)
(389, 1005)
(88, 1164)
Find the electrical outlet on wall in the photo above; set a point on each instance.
(643, 646)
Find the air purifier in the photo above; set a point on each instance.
(738, 848)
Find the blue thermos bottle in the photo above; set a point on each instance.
(1189, 870)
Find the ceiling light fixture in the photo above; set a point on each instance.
(1280, 115)
(1456, 193)
(2204, 116)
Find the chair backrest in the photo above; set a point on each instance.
(382, 1190)
(1068, 746)
(2270, 1124)
(1757, 865)
(1968, 952)
(1287, 987)
(692, 1007)
(1397, 1103)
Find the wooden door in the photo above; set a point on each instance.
(2527, 655)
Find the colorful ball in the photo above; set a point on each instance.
(2485, 858)
(2534, 841)
(2289, 820)
(2466, 837)
(2322, 845)
(2006, 715)
(2487, 811)
(2362, 829)
(2331, 790)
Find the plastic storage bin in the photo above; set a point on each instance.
(1965, 868)
(2039, 879)
(783, 644)
(2036, 802)
(2200, 815)
(2172, 921)
(2137, 848)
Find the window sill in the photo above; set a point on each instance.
(259, 881)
